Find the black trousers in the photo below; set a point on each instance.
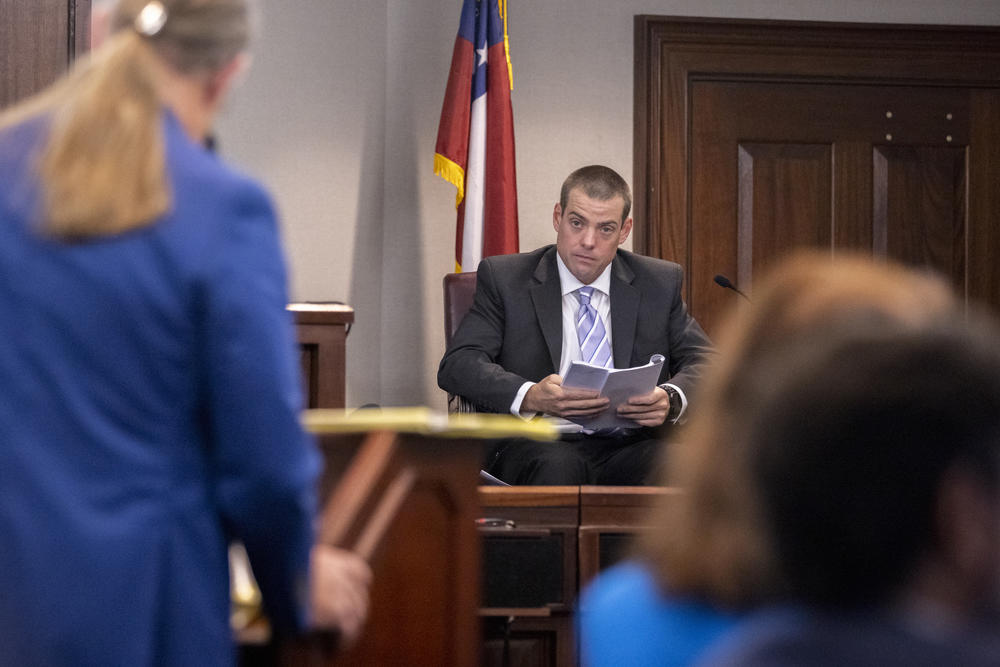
(623, 459)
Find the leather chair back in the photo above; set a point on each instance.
(459, 290)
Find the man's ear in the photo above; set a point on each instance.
(556, 216)
(623, 233)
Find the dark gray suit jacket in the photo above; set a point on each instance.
(513, 332)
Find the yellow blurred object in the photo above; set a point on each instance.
(424, 421)
(245, 608)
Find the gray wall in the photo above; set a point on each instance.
(339, 116)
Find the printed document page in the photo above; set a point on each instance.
(618, 384)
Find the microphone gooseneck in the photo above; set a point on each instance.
(723, 281)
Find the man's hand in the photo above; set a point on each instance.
(647, 410)
(338, 594)
(549, 396)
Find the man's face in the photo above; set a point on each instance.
(588, 233)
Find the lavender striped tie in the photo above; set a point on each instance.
(594, 346)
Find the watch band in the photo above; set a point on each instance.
(676, 404)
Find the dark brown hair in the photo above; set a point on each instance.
(597, 182)
(852, 448)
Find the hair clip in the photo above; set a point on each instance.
(151, 19)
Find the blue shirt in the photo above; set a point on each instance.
(624, 619)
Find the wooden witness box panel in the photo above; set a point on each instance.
(601, 521)
(541, 546)
(529, 536)
(322, 330)
(529, 574)
(610, 517)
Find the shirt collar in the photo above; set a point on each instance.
(569, 282)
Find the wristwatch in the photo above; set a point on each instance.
(676, 404)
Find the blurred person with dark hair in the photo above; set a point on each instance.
(709, 561)
(876, 454)
(151, 393)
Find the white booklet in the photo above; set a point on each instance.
(618, 384)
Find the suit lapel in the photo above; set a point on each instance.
(546, 295)
(624, 312)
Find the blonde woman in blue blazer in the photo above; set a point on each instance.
(149, 410)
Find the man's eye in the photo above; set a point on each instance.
(607, 231)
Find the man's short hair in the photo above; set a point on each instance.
(597, 182)
(851, 448)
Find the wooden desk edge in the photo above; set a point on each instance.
(517, 612)
(558, 496)
(624, 496)
(529, 496)
(321, 313)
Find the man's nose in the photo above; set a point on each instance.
(588, 237)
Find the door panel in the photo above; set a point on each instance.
(919, 207)
(785, 201)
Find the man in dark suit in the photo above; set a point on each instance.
(524, 330)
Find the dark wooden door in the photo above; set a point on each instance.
(766, 137)
(38, 41)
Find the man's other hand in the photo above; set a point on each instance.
(549, 396)
(338, 596)
(647, 410)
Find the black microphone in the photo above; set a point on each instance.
(723, 281)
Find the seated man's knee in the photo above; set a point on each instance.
(527, 462)
(557, 464)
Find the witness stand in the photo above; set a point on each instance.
(463, 575)
(542, 545)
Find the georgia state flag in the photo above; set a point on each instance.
(475, 142)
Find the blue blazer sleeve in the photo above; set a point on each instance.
(265, 465)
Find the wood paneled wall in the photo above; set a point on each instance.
(38, 41)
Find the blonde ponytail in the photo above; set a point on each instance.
(103, 166)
